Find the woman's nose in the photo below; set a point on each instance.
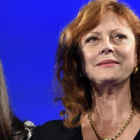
(106, 48)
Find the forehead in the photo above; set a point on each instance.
(111, 21)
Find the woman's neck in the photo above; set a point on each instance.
(112, 101)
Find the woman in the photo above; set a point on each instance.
(97, 67)
(11, 128)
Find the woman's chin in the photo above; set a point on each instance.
(107, 80)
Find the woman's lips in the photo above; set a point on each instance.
(107, 63)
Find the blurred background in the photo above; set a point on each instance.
(29, 33)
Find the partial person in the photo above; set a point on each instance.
(11, 128)
(98, 58)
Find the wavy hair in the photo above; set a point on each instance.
(74, 88)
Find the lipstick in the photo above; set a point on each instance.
(107, 63)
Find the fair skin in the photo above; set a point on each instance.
(108, 53)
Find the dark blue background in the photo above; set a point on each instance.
(29, 32)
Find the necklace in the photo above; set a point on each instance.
(97, 134)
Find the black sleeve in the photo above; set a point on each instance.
(55, 130)
(38, 134)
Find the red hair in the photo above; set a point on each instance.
(75, 87)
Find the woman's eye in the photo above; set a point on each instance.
(91, 39)
(121, 36)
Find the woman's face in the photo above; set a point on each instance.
(108, 52)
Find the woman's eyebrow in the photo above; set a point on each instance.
(122, 30)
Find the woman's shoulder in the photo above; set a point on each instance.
(54, 130)
(48, 126)
(53, 124)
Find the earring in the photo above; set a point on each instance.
(135, 70)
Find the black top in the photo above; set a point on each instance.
(55, 130)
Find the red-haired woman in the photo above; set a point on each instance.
(97, 68)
